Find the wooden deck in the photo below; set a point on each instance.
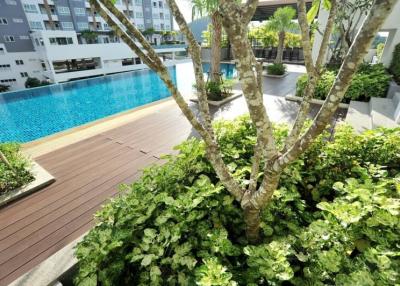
(87, 174)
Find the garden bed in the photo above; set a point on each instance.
(41, 179)
(18, 175)
(274, 75)
(313, 100)
(235, 94)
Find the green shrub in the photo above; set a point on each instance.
(177, 225)
(395, 64)
(19, 174)
(276, 69)
(369, 81)
(34, 82)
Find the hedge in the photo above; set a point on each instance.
(395, 64)
(369, 81)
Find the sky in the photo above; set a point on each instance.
(186, 10)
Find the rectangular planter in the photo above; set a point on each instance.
(314, 101)
(273, 75)
(235, 94)
(42, 179)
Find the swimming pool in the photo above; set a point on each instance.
(31, 114)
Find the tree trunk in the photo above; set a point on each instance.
(252, 220)
(48, 12)
(92, 10)
(216, 47)
(281, 42)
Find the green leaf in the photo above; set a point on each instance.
(313, 12)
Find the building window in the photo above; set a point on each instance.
(9, 39)
(19, 62)
(83, 26)
(61, 41)
(162, 26)
(35, 25)
(63, 10)
(139, 15)
(106, 27)
(11, 2)
(161, 15)
(24, 38)
(1, 51)
(140, 26)
(148, 21)
(10, 80)
(167, 27)
(5, 67)
(3, 21)
(155, 4)
(67, 25)
(80, 11)
(160, 4)
(156, 16)
(137, 61)
(138, 2)
(23, 74)
(156, 27)
(17, 20)
(30, 8)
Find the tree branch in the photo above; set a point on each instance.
(195, 51)
(249, 9)
(313, 77)
(212, 149)
(354, 57)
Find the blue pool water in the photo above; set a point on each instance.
(31, 114)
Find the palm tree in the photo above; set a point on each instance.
(210, 7)
(281, 22)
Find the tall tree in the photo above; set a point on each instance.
(281, 22)
(210, 7)
(268, 161)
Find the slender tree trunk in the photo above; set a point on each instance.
(48, 12)
(281, 42)
(92, 10)
(216, 47)
(252, 220)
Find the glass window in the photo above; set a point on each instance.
(17, 20)
(63, 10)
(83, 26)
(139, 14)
(67, 25)
(80, 11)
(3, 21)
(24, 74)
(9, 39)
(30, 8)
(19, 62)
(35, 25)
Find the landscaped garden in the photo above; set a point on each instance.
(333, 220)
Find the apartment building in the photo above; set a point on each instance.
(49, 39)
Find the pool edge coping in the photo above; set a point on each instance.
(50, 143)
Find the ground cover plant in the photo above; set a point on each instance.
(14, 168)
(334, 219)
(369, 81)
(273, 161)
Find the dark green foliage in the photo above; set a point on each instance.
(369, 81)
(177, 225)
(395, 64)
(19, 174)
(34, 82)
(219, 90)
(4, 88)
(276, 69)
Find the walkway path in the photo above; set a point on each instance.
(88, 173)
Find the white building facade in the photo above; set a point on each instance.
(46, 39)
